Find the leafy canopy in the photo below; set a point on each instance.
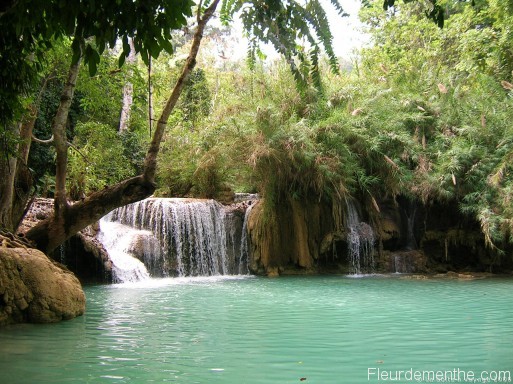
(283, 24)
(29, 28)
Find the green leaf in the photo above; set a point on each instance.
(154, 48)
(92, 68)
(77, 51)
(144, 56)
(121, 60)
(167, 45)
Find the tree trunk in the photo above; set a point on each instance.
(54, 231)
(8, 172)
(128, 91)
(27, 127)
(58, 225)
(16, 183)
(60, 140)
(23, 181)
(70, 219)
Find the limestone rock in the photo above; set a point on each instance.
(290, 239)
(83, 253)
(143, 244)
(35, 289)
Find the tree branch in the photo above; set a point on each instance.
(50, 233)
(198, 12)
(42, 141)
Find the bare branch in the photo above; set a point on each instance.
(80, 153)
(198, 12)
(41, 141)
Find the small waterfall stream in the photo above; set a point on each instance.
(244, 245)
(174, 237)
(402, 264)
(409, 212)
(117, 238)
(360, 241)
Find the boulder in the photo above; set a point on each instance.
(35, 289)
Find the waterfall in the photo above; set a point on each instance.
(410, 212)
(117, 239)
(402, 264)
(243, 267)
(360, 241)
(182, 237)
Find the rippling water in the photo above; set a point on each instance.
(257, 330)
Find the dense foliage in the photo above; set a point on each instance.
(30, 28)
(425, 113)
(143, 28)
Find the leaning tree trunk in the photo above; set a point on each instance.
(54, 231)
(69, 219)
(150, 162)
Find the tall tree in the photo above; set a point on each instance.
(149, 23)
(29, 29)
(128, 91)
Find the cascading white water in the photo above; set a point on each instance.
(180, 237)
(191, 233)
(117, 239)
(243, 268)
(360, 240)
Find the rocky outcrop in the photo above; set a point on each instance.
(289, 239)
(82, 254)
(35, 289)
(145, 247)
(85, 256)
(301, 236)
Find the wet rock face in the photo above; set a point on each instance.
(34, 289)
(290, 241)
(85, 256)
(406, 261)
(82, 254)
(411, 237)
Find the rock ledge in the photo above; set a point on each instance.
(35, 289)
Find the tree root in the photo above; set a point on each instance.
(10, 240)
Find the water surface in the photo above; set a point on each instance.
(257, 330)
